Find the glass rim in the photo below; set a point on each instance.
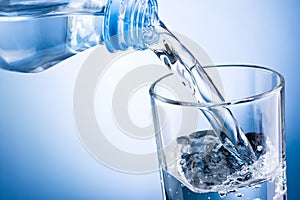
(279, 86)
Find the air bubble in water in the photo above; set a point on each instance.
(222, 194)
(239, 195)
(232, 191)
(259, 148)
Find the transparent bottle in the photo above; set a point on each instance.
(37, 34)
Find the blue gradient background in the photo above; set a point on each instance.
(41, 156)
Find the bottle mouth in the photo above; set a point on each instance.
(125, 22)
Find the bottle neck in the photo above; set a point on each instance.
(127, 21)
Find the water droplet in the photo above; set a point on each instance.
(257, 186)
(182, 185)
(239, 195)
(208, 197)
(222, 194)
(170, 189)
(257, 199)
(259, 148)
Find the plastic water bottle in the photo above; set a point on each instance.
(37, 34)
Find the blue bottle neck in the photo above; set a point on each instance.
(126, 23)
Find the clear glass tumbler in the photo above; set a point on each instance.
(194, 165)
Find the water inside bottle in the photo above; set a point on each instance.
(38, 35)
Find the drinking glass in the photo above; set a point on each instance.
(194, 163)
